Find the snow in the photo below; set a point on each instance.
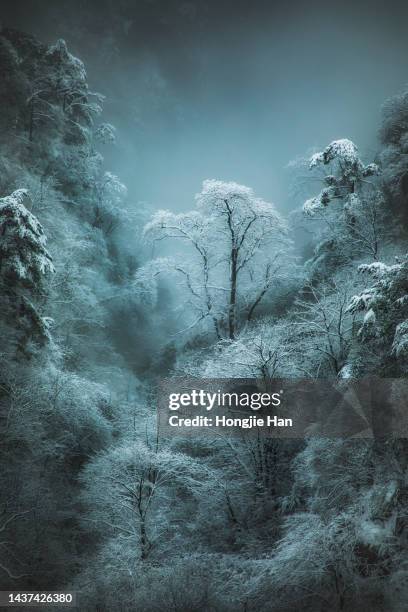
(371, 170)
(348, 172)
(402, 301)
(376, 268)
(346, 371)
(182, 225)
(369, 318)
(374, 534)
(343, 149)
(22, 240)
(241, 201)
(106, 133)
(311, 206)
(60, 51)
(221, 190)
(114, 185)
(400, 343)
(362, 301)
(316, 159)
(314, 205)
(385, 302)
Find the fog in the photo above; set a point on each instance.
(228, 90)
(96, 496)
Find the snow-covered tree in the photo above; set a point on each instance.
(59, 96)
(325, 328)
(24, 262)
(350, 208)
(262, 351)
(394, 136)
(127, 486)
(236, 244)
(385, 304)
(67, 83)
(23, 256)
(109, 193)
(105, 133)
(348, 173)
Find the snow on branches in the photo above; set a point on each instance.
(73, 67)
(349, 171)
(385, 303)
(237, 241)
(243, 206)
(23, 256)
(350, 209)
(345, 152)
(343, 148)
(24, 261)
(146, 279)
(105, 133)
(191, 226)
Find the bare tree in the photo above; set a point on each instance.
(239, 245)
(325, 325)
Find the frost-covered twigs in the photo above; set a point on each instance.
(385, 304)
(346, 176)
(236, 243)
(350, 208)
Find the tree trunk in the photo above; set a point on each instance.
(233, 293)
(256, 303)
(143, 540)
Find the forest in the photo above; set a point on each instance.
(100, 299)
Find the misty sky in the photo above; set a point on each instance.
(227, 89)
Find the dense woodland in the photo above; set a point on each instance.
(101, 297)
